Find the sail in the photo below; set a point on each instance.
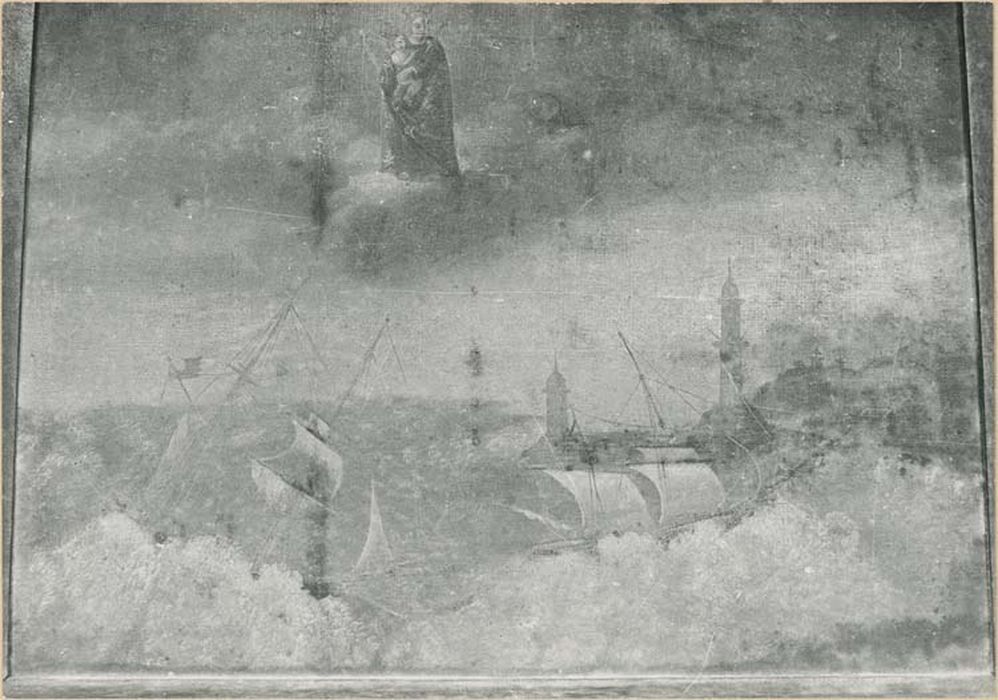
(376, 555)
(309, 464)
(278, 494)
(174, 464)
(180, 443)
(607, 501)
(662, 455)
(686, 491)
(321, 453)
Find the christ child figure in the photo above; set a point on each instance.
(407, 85)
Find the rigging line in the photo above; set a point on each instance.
(385, 373)
(363, 367)
(301, 330)
(681, 390)
(287, 307)
(594, 490)
(627, 401)
(611, 422)
(186, 393)
(676, 390)
(294, 291)
(544, 433)
(644, 384)
(301, 492)
(267, 543)
(209, 374)
(749, 409)
(594, 495)
(265, 348)
(214, 378)
(247, 348)
(311, 340)
(244, 210)
(650, 408)
(398, 359)
(755, 463)
(695, 395)
(662, 379)
(166, 380)
(271, 342)
(377, 374)
(258, 339)
(695, 409)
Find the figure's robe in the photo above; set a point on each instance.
(418, 133)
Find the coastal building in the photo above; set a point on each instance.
(558, 421)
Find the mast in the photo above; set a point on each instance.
(244, 370)
(730, 344)
(368, 356)
(269, 336)
(649, 398)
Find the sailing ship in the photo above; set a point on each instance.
(637, 481)
(683, 491)
(208, 390)
(606, 503)
(304, 478)
(287, 496)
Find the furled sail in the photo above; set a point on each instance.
(309, 464)
(686, 491)
(606, 501)
(317, 427)
(377, 554)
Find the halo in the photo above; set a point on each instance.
(412, 13)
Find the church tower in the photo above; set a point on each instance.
(731, 343)
(556, 390)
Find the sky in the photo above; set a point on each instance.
(163, 212)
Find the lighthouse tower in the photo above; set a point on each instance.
(556, 390)
(731, 343)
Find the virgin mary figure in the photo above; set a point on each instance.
(418, 121)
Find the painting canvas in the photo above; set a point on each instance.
(469, 348)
